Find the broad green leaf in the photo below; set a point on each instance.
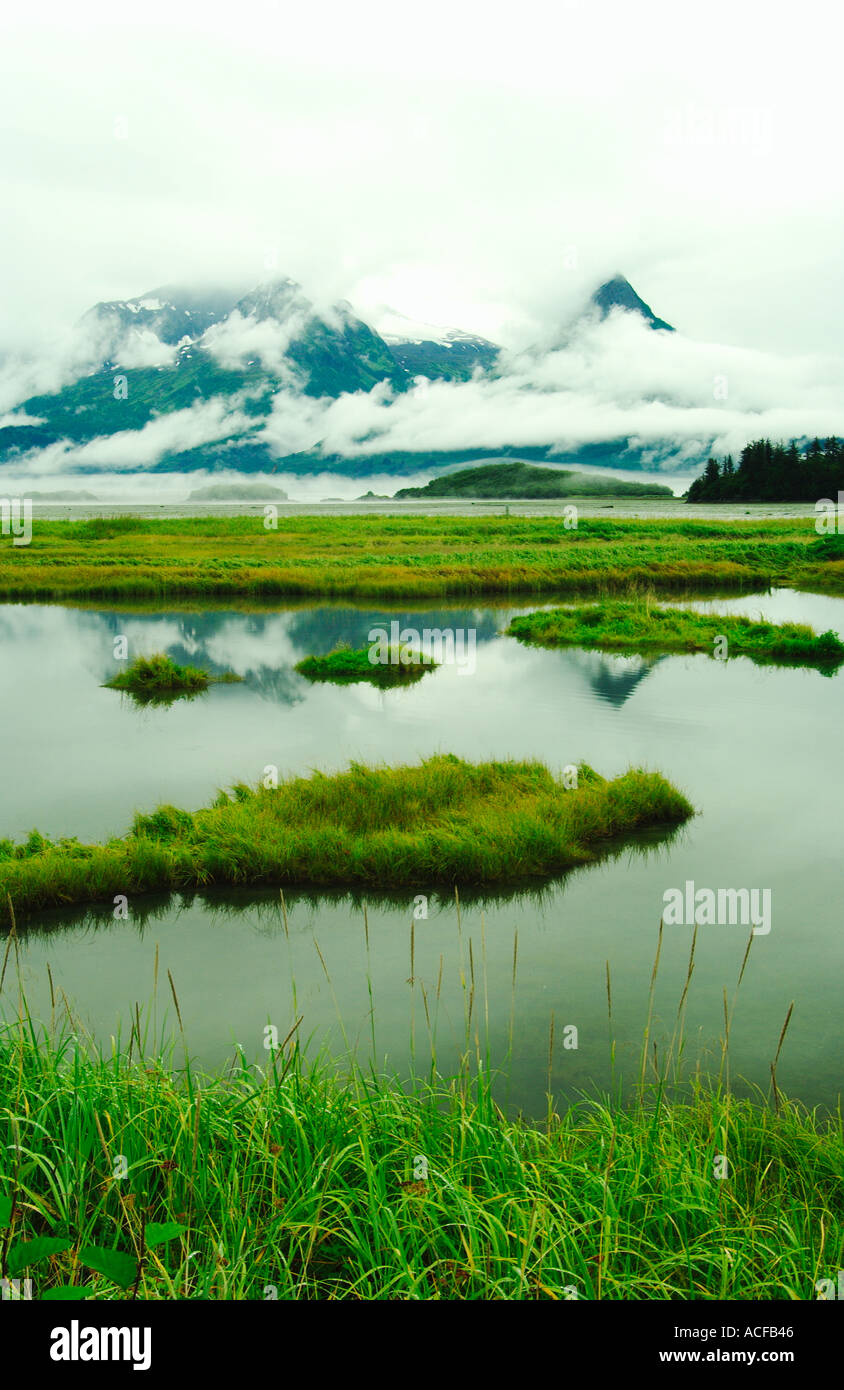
(69, 1291)
(28, 1252)
(5, 1210)
(116, 1265)
(156, 1234)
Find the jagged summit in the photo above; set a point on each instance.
(275, 299)
(171, 312)
(618, 293)
(245, 354)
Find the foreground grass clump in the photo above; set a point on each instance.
(157, 678)
(297, 1185)
(642, 627)
(444, 821)
(351, 665)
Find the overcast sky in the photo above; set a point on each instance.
(479, 164)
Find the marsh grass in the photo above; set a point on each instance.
(158, 680)
(294, 1181)
(352, 665)
(410, 557)
(441, 822)
(642, 626)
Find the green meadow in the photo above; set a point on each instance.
(411, 557)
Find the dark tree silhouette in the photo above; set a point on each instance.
(769, 472)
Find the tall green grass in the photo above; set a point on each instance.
(443, 821)
(295, 1182)
(410, 557)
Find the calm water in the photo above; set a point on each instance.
(755, 749)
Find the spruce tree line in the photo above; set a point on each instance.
(769, 472)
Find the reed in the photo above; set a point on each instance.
(139, 1176)
(133, 1174)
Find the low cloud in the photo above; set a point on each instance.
(142, 348)
(241, 340)
(131, 451)
(671, 396)
(59, 362)
(668, 394)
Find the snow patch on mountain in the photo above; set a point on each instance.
(398, 328)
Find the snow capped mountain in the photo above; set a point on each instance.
(275, 299)
(208, 375)
(399, 328)
(274, 326)
(426, 349)
(156, 328)
(169, 315)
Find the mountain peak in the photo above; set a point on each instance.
(618, 293)
(275, 299)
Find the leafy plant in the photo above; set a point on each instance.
(113, 1264)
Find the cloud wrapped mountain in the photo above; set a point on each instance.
(218, 381)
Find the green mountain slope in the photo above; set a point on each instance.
(179, 347)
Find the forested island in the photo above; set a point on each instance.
(769, 472)
(238, 492)
(522, 480)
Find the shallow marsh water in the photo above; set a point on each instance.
(755, 748)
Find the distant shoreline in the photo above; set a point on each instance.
(641, 507)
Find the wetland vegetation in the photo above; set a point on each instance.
(443, 821)
(643, 626)
(157, 679)
(351, 665)
(290, 1182)
(412, 557)
(300, 1178)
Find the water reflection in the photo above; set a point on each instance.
(755, 749)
